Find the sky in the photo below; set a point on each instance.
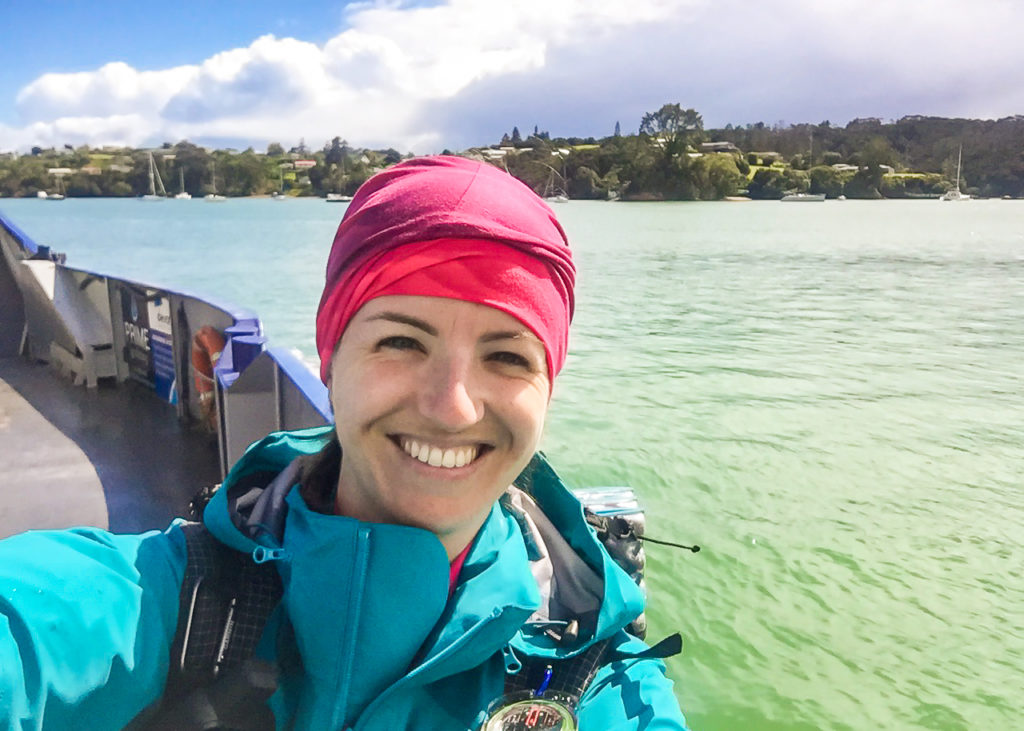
(428, 75)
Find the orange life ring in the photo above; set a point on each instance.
(207, 346)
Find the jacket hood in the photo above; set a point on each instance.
(249, 510)
(577, 579)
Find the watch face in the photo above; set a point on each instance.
(535, 714)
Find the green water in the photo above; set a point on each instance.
(827, 398)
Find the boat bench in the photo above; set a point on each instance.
(89, 363)
(78, 327)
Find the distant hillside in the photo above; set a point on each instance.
(670, 157)
(993, 151)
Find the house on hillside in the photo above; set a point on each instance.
(842, 167)
(709, 147)
(766, 158)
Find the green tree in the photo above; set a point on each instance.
(244, 174)
(824, 179)
(121, 189)
(719, 177)
(665, 172)
(712, 177)
(676, 127)
(865, 184)
(585, 183)
(194, 161)
(773, 183)
(893, 187)
(335, 153)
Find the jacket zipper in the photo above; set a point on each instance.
(346, 655)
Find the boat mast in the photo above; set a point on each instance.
(159, 181)
(959, 156)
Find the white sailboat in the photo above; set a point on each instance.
(955, 194)
(552, 192)
(182, 195)
(155, 183)
(214, 197)
(278, 195)
(803, 197)
(59, 195)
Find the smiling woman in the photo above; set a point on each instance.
(457, 389)
(427, 568)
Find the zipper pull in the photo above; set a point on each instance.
(512, 663)
(262, 554)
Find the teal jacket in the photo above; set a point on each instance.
(366, 636)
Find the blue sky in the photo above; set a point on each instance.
(77, 35)
(422, 76)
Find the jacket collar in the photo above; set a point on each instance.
(514, 567)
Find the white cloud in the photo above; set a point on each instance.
(367, 84)
(463, 72)
(270, 77)
(115, 88)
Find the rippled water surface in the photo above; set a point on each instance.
(827, 398)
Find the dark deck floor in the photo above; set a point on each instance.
(114, 457)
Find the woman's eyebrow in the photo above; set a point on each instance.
(405, 320)
(509, 335)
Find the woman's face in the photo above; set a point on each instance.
(439, 404)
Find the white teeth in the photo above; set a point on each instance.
(437, 457)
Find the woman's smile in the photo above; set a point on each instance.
(437, 456)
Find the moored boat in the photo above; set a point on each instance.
(954, 194)
(214, 196)
(182, 194)
(155, 184)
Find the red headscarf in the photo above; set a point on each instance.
(450, 227)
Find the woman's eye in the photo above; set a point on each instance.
(400, 342)
(507, 357)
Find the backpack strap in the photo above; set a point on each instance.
(226, 599)
(565, 681)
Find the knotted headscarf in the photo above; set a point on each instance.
(450, 227)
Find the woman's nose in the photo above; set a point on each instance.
(449, 398)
